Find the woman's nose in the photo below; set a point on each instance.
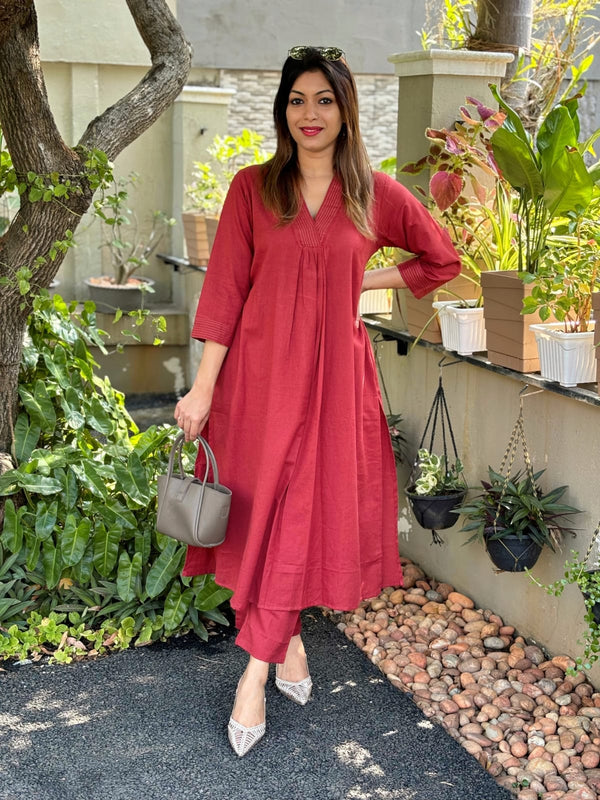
(311, 111)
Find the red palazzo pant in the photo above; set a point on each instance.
(265, 633)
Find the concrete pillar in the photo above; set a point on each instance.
(432, 85)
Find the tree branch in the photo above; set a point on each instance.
(171, 56)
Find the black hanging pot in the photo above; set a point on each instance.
(511, 553)
(434, 512)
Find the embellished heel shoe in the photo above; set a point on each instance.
(243, 739)
(298, 691)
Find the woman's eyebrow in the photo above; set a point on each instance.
(321, 91)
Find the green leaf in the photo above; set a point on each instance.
(12, 532)
(56, 364)
(516, 160)
(32, 406)
(37, 484)
(82, 572)
(34, 547)
(52, 564)
(46, 406)
(27, 434)
(71, 490)
(106, 549)
(143, 544)
(45, 519)
(117, 515)
(132, 479)
(73, 416)
(93, 481)
(176, 606)
(128, 575)
(165, 568)
(74, 540)
(98, 418)
(211, 596)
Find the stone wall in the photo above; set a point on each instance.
(252, 107)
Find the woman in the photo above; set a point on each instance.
(288, 377)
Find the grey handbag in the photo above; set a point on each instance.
(189, 509)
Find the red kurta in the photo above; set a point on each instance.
(297, 423)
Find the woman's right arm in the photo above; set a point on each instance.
(191, 412)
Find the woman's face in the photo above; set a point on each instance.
(313, 115)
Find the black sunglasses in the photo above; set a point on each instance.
(327, 53)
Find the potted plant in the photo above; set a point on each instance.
(563, 288)
(580, 573)
(206, 193)
(515, 519)
(439, 488)
(129, 248)
(462, 198)
(549, 178)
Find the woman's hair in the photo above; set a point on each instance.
(281, 175)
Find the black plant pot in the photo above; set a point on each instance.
(512, 554)
(434, 512)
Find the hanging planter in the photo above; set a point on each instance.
(436, 512)
(512, 553)
(512, 516)
(463, 327)
(436, 485)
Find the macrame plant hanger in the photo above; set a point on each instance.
(517, 437)
(437, 414)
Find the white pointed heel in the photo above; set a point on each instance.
(243, 739)
(298, 691)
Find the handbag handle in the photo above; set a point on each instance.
(210, 458)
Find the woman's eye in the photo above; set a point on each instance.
(295, 101)
(326, 100)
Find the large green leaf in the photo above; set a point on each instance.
(128, 575)
(71, 489)
(211, 596)
(12, 532)
(27, 434)
(165, 568)
(44, 402)
(93, 481)
(513, 122)
(516, 162)
(557, 132)
(117, 515)
(45, 519)
(74, 539)
(569, 186)
(132, 479)
(56, 364)
(32, 406)
(98, 418)
(82, 571)
(143, 544)
(34, 548)
(52, 564)
(176, 605)
(106, 549)
(70, 403)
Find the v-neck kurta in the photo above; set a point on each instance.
(296, 423)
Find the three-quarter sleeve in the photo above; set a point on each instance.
(402, 221)
(227, 282)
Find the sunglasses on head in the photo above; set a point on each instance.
(327, 53)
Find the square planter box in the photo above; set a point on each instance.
(462, 328)
(199, 233)
(568, 358)
(420, 320)
(510, 341)
(375, 301)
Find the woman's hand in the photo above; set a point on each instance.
(191, 412)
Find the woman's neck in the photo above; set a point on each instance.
(315, 166)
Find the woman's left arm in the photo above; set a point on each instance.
(403, 221)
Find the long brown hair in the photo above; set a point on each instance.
(280, 188)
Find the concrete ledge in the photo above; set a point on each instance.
(451, 62)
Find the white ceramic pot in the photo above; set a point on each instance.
(568, 358)
(375, 301)
(463, 329)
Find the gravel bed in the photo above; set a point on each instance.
(533, 727)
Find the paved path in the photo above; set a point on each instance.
(150, 724)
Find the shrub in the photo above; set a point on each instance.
(79, 548)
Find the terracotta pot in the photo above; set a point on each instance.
(420, 319)
(510, 343)
(199, 233)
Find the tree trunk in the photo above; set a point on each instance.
(35, 145)
(504, 25)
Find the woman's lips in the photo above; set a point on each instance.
(311, 131)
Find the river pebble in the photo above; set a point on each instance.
(512, 706)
